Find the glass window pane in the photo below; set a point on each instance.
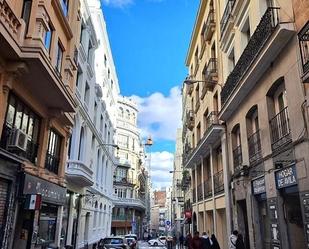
(19, 115)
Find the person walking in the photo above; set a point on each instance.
(240, 242)
(181, 241)
(196, 241)
(206, 242)
(215, 243)
(189, 241)
(233, 239)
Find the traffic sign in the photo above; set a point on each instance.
(167, 222)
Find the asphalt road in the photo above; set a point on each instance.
(145, 245)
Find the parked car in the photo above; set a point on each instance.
(131, 242)
(161, 241)
(117, 242)
(131, 235)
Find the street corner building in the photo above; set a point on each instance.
(245, 116)
(37, 81)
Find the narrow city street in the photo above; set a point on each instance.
(177, 121)
(145, 245)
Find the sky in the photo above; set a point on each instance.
(149, 41)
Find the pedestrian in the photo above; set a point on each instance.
(189, 241)
(233, 239)
(206, 242)
(215, 243)
(196, 241)
(240, 242)
(181, 241)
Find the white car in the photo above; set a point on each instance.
(161, 241)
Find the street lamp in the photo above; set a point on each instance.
(190, 81)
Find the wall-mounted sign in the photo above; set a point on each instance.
(258, 186)
(50, 192)
(286, 177)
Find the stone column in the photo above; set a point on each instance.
(213, 190)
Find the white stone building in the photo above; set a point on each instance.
(130, 179)
(91, 160)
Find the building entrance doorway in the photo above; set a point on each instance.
(293, 218)
(243, 221)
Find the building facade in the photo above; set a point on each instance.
(258, 99)
(203, 131)
(91, 157)
(130, 178)
(37, 102)
(177, 201)
(263, 101)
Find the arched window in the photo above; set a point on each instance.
(98, 166)
(120, 112)
(128, 114)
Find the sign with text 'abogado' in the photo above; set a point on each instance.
(50, 192)
(286, 177)
(258, 186)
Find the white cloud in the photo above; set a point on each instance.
(117, 3)
(159, 115)
(161, 164)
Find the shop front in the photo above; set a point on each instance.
(262, 218)
(289, 198)
(39, 214)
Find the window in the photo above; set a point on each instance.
(65, 7)
(101, 124)
(87, 94)
(53, 151)
(105, 60)
(236, 145)
(47, 224)
(95, 113)
(108, 73)
(79, 78)
(81, 144)
(89, 56)
(231, 61)
(26, 11)
(59, 57)
(48, 38)
(20, 117)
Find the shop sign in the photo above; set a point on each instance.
(258, 186)
(50, 192)
(286, 177)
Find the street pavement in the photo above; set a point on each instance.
(145, 245)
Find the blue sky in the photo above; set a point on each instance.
(149, 41)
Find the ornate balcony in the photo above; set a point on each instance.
(226, 15)
(237, 158)
(303, 37)
(254, 146)
(131, 202)
(210, 76)
(210, 25)
(267, 41)
(79, 173)
(211, 135)
(124, 181)
(280, 130)
(218, 182)
(207, 188)
(190, 120)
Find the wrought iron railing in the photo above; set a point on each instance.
(226, 15)
(237, 157)
(197, 105)
(52, 163)
(194, 195)
(200, 192)
(303, 37)
(212, 119)
(32, 148)
(207, 188)
(122, 217)
(123, 181)
(218, 182)
(209, 23)
(260, 36)
(190, 119)
(254, 147)
(211, 70)
(280, 129)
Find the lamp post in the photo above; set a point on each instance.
(190, 81)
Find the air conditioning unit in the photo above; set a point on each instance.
(18, 140)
